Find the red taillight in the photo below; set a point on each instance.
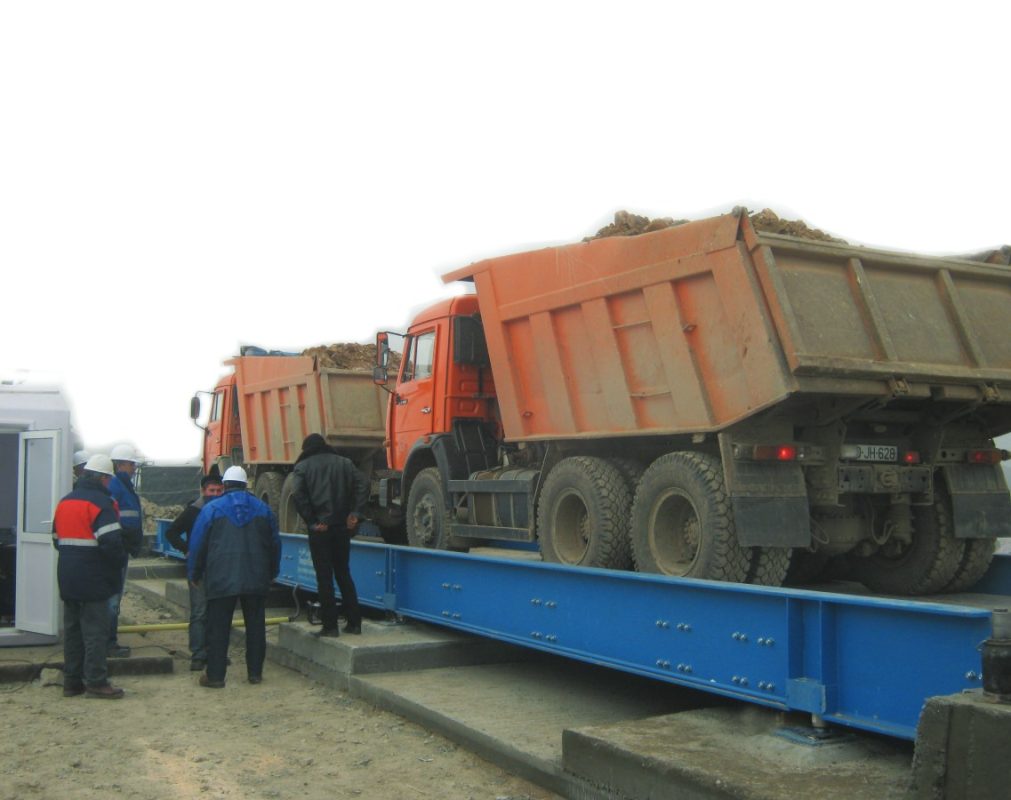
(910, 457)
(985, 456)
(774, 452)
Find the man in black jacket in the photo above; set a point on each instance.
(329, 494)
(178, 534)
(87, 534)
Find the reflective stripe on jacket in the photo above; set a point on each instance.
(87, 534)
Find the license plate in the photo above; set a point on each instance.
(873, 452)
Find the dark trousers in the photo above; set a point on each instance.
(114, 603)
(219, 629)
(198, 623)
(85, 638)
(331, 555)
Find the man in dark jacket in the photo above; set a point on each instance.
(178, 534)
(329, 494)
(235, 554)
(87, 534)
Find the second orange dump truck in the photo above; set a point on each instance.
(709, 401)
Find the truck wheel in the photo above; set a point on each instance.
(427, 515)
(769, 566)
(268, 489)
(682, 523)
(975, 562)
(582, 514)
(287, 517)
(924, 566)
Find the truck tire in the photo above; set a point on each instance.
(769, 566)
(925, 566)
(975, 562)
(268, 489)
(427, 515)
(682, 522)
(582, 514)
(287, 516)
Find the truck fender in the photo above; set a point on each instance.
(421, 457)
(980, 501)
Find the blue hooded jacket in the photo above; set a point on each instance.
(235, 546)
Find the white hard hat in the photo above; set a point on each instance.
(81, 457)
(234, 475)
(124, 452)
(100, 463)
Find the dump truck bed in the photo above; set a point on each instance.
(282, 399)
(695, 327)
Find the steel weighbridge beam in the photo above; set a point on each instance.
(859, 662)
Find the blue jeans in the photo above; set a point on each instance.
(85, 630)
(198, 623)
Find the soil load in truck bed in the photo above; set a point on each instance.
(698, 325)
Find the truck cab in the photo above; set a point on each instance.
(442, 410)
(222, 434)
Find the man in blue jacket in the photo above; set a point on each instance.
(87, 534)
(131, 518)
(235, 554)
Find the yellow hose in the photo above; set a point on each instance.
(181, 626)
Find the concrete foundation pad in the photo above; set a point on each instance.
(963, 749)
(732, 752)
(136, 665)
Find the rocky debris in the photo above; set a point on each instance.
(629, 224)
(1001, 256)
(348, 355)
(153, 512)
(767, 221)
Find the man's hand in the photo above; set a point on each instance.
(352, 521)
(319, 527)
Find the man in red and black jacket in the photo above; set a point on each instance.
(88, 536)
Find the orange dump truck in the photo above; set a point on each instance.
(710, 401)
(262, 411)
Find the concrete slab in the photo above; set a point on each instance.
(963, 749)
(733, 752)
(514, 713)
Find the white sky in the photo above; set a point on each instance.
(178, 178)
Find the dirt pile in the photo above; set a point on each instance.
(154, 512)
(344, 355)
(767, 221)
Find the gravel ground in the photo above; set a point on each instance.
(170, 738)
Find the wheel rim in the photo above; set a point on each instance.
(425, 521)
(570, 528)
(675, 533)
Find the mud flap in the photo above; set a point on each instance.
(979, 500)
(770, 504)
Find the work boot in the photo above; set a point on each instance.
(106, 692)
(198, 665)
(255, 679)
(117, 651)
(207, 683)
(353, 627)
(328, 633)
(74, 691)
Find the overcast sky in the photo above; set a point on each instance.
(179, 178)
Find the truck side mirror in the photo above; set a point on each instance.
(379, 376)
(379, 371)
(194, 408)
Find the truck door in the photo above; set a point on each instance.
(215, 444)
(37, 607)
(412, 415)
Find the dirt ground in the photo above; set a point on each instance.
(170, 738)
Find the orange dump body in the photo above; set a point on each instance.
(282, 399)
(695, 327)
